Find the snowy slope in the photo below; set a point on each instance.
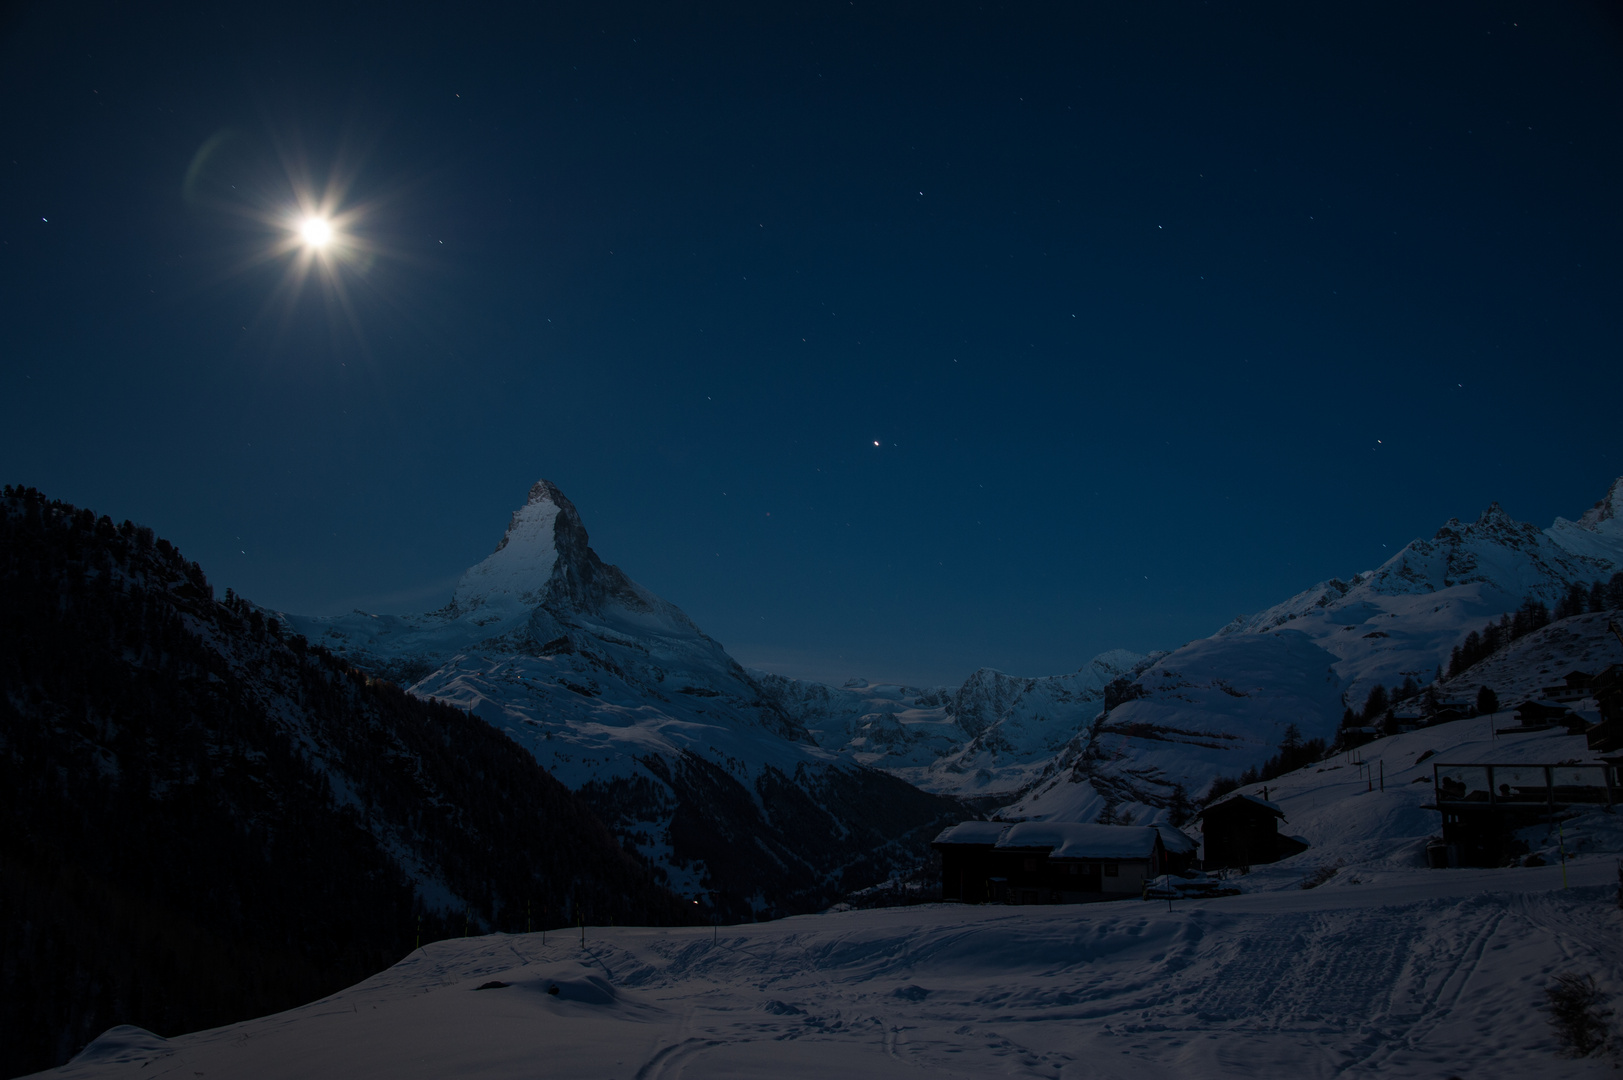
(1366, 809)
(1427, 975)
(622, 697)
(1543, 658)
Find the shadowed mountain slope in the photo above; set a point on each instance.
(203, 819)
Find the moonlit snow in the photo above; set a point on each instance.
(1424, 974)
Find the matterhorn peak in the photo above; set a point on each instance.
(517, 573)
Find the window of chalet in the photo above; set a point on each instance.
(1112, 869)
(1031, 865)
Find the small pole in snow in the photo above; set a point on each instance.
(1383, 774)
(419, 932)
(1561, 839)
(583, 930)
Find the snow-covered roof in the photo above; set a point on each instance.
(1176, 841)
(1264, 803)
(1076, 840)
(1063, 839)
(972, 832)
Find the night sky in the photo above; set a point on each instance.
(885, 340)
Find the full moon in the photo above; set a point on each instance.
(316, 231)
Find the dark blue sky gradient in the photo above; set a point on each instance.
(1126, 293)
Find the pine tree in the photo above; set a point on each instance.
(1181, 808)
(1614, 592)
(1572, 602)
(1376, 704)
(1597, 597)
(1487, 702)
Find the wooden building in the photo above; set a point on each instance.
(1182, 850)
(1243, 831)
(1039, 862)
(1575, 686)
(1535, 715)
(1484, 805)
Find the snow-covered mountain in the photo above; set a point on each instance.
(622, 697)
(1143, 735)
(1221, 704)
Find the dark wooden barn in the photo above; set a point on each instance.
(1243, 831)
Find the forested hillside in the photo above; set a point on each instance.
(203, 818)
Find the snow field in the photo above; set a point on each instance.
(1429, 974)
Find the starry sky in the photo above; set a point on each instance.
(886, 340)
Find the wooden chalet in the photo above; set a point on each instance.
(1450, 709)
(1484, 805)
(1406, 720)
(1536, 715)
(1044, 862)
(1242, 831)
(1574, 686)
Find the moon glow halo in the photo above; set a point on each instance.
(315, 231)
